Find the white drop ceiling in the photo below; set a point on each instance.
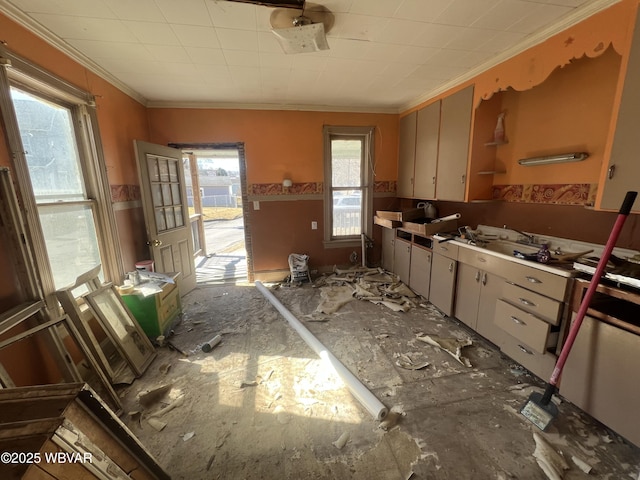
(385, 55)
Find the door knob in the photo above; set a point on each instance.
(155, 243)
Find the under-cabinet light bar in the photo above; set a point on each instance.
(562, 158)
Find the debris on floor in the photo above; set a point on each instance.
(551, 462)
(452, 346)
(404, 360)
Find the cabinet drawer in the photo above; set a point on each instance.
(539, 281)
(522, 325)
(539, 305)
(540, 364)
(446, 249)
(482, 261)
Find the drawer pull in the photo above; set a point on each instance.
(444, 248)
(518, 321)
(482, 259)
(478, 276)
(526, 302)
(533, 280)
(525, 350)
(451, 265)
(484, 278)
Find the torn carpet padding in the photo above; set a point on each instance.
(372, 284)
(332, 298)
(452, 346)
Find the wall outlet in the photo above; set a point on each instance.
(314, 225)
(256, 205)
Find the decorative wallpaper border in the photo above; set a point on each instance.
(310, 188)
(561, 194)
(125, 193)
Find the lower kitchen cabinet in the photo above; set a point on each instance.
(402, 259)
(388, 241)
(477, 292)
(444, 265)
(601, 375)
(420, 270)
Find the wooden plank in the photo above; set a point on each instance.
(37, 391)
(19, 409)
(18, 314)
(384, 222)
(63, 471)
(34, 472)
(15, 430)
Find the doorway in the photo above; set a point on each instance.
(216, 195)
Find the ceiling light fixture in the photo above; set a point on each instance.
(304, 30)
(551, 159)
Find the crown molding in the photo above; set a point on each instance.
(52, 39)
(271, 106)
(571, 19)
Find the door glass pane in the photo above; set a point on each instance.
(175, 191)
(161, 224)
(170, 216)
(47, 134)
(177, 213)
(166, 194)
(163, 166)
(154, 173)
(69, 233)
(173, 171)
(346, 164)
(156, 193)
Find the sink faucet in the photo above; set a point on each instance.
(531, 239)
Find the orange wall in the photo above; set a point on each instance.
(277, 143)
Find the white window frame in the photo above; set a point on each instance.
(18, 72)
(366, 135)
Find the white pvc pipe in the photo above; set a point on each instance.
(357, 389)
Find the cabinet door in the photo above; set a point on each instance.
(455, 129)
(467, 294)
(388, 237)
(406, 155)
(601, 376)
(420, 272)
(490, 292)
(402, 259)
(443, 283)
(426, 160)
(623, 172)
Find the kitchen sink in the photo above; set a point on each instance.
(507, 247)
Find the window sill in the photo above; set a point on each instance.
(347, 243)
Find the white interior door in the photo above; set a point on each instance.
(166, 215)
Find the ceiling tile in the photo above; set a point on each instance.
(505, 14)
(140, 10)
(206, 56)
(379, 8)
(438, 36)
(100, 49)
(344, 48)
(469, 38)
(465, 12)
(86, 28)
(169, 53)
(240, 16)
(422, 11)
(148, 32)
(539, 18)
(267, 42)
(190, 36)
(185, 12)
(501, 41)
(399, 32)
(357, 27)
(276, 60)
(75, 8)
(237, 39)
(242, 58)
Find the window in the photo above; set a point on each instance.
(348, 184)
(51, 128)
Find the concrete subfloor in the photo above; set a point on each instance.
(262, 405)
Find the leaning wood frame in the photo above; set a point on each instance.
(129, 338)
(116, 367)
(62, 357)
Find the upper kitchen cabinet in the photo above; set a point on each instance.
(418, 153)
(622, 173)
(407, 155)
(434, 147)
(453, 151)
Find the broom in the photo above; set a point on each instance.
(539, 410)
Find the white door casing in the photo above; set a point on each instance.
(164, 202)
